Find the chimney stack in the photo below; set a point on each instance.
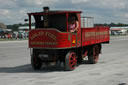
(46, 9)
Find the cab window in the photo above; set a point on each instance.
(56, 21)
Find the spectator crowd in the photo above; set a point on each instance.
(16, 35)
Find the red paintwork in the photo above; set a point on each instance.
(72, 60)
(43, 38)
(52, 38)
(95, 35)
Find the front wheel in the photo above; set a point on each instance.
(35, 62)
(93, 55)
(70, 61)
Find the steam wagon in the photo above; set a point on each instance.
(51, 40)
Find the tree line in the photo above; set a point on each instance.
(15, 27)
(112, 24)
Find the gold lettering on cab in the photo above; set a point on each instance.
(48, 34)
(44, 34)
(35, 35)
(44, 43)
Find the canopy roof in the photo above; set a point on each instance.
(54, 12)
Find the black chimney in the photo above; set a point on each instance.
(46, 9)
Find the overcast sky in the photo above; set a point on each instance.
(103, 11)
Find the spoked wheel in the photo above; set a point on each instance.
(70, 61)
(35, 62)
(93, 55)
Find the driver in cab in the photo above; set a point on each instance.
(73, 24)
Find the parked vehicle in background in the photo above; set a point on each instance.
(119, 30)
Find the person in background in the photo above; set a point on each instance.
(73, 24)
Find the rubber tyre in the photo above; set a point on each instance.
(70, 61)
(35, 62)
(93, 55)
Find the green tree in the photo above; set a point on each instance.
(15, 27)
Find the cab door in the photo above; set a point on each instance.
(73, 39)
(76, 39)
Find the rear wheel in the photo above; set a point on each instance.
(36, 62)
(70, 61)
(93, 55)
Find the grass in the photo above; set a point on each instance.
(11, 39)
